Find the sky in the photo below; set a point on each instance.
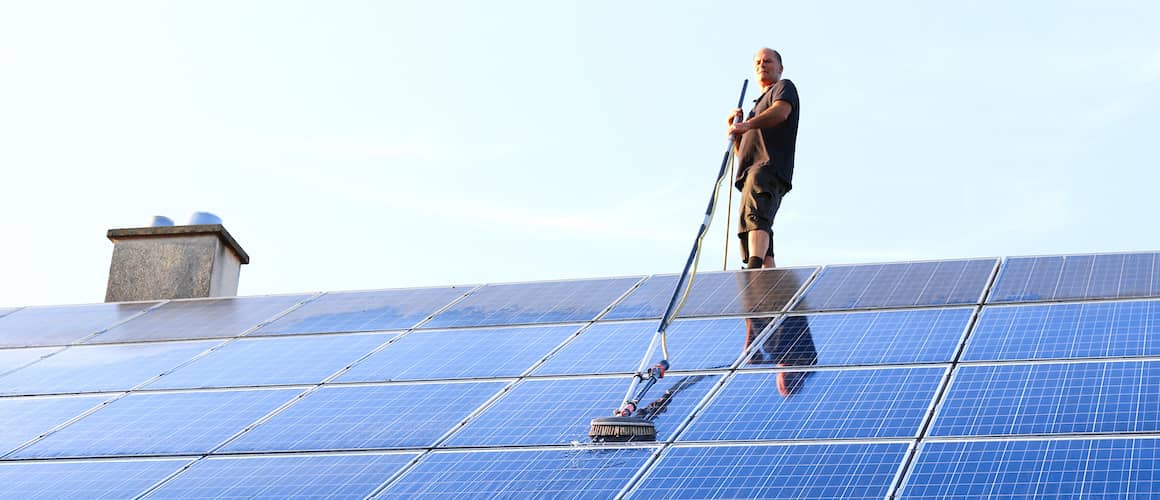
(356, 145)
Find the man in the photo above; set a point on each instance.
(763, 147)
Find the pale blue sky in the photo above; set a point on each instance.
(360, 145)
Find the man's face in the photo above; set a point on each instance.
(766, 68)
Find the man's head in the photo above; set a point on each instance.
(767, 66)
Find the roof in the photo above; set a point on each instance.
(1019, 376)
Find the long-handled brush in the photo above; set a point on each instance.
(624, 426)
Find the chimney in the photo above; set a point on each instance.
(174, 262)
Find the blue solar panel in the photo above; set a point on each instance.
(955, 282)
(198, 319)
(1075, 330)
(852, 404)
(86, 479)
(527, 303)
(160, 424)
(12, 359)
(4, 311)
(617, 347)
(364, 311)
(294, 476)
(799, 471)
(863, 338)
(716, 294)
(570, 473)
(1051, 398)
(28, 418)
(272, 361)
(100, 368)
(1078, 277)
(62, 325)
(444, 354)
(1061, 468)
(559, 411)
(368, 417)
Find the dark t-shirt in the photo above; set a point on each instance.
(771, 147)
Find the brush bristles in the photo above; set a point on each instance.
(622, 429)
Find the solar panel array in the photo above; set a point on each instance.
(969, 378)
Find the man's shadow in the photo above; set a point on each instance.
(789, 344)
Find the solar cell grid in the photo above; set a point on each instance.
(83, 479)
(463, 353)
(160, 424)
(617, 347)
(778, 471)
(716, 294)
(1071, 277)
(860, 338)
(909, 284)
(528, 303)
(272, 361)
(295, 476)
(368, 417)
(100, 368)
(199, 318)
(62, 325)
(1062, 468)
(850, 404)
(1070, 330)
(1051, 398)
(27, 418)
(545, 412)
(571, 473)
(364, 311)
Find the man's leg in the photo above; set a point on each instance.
(759, 247)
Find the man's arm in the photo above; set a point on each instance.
(771, 117)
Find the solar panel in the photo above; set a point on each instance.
(716, 294)
(294, 476)
(12, 359)
(849, 404)
(779, 471)
(368, 417)
(160, 424)
(84, 479)
(1069, 277)
(543, 412)
(364, 311)
(527, 303)
(863, 338)
(1073, 330)
(27, 418)
(100, 368)
(954, 282)
(569, 473)
(272, 361)
(1051, 398)
(617, 347)
(199, 318)
(4, 311)
(62, 325)
(465, 353)
(1058, 468)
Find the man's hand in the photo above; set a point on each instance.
(734, 118)
(737, 129)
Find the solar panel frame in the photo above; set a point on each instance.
(1055, 278)
(848, 286)
(103, 478)
(1065, 330)
(64, 325)
(773, 470)
(204, 319)
(775, 290)
(101, 368)
(862, 338)
(499, 304)
(370, 311)
(330, 475)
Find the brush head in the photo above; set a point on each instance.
(622, 429)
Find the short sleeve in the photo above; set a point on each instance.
(785, 90)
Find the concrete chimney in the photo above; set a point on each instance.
(174, 262)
